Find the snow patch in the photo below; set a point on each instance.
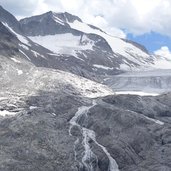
(33, 107)
(4, 113)
(58, 20)
(102, 67)
(25, 55)
(125, 67)
(15, 60)
(36, 54)
(20, 72)
(155, 120)
(140, 93)
(53, 114)
(3, 98)
(64, 43)
(24, 46)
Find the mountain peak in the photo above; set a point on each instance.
(65, 16)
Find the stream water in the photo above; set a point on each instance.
(89, 160)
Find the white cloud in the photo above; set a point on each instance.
(18, 7)
(163, 52)
(163, 58)
(134, 16)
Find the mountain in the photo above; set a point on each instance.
(79, 48)
(58, 105)
(82, 52)
(92, 49)
(87, 42)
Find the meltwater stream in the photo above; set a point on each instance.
(89, 158)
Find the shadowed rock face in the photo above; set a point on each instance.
(45, 24)
(38, 137)
(8, 42)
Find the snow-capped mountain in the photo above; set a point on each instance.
(20, 57)
(73, 37)
(63, 41)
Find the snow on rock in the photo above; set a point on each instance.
(4, 113)
(161, 59)
(155, 120)
(125, 67)
(20, 72)
(3, 98)
(58, 20)
(15, 60)
(63, 43)
(102, 67)
(24, 55)
(24, 46)
(36, 54)
(140, 93)
(118, 45)
(33, 107)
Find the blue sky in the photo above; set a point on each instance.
(152, 41)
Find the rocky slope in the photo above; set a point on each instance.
(123, 132)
